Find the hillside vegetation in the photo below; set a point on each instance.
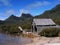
(50, 32)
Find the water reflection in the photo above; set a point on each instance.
(13, 40)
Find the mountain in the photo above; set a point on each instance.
(26, 15)
(14, 20)
(54, 13)
(11, 20)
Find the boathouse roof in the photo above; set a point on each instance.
(43, 22)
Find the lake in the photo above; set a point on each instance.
(13, 40)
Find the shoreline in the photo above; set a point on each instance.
(45, 41)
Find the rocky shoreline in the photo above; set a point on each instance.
(45, 41)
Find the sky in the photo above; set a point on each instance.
(17, 7)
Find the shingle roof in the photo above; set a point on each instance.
(43, 22)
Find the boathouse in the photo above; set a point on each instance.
(39, 24)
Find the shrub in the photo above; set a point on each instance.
(57, 21)
(59, 34)
(10, 29)
(50, 32)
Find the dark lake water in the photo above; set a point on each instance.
(13, 40)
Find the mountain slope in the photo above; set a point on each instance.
(53, 13)
(1, 22)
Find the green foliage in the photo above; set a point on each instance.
(59, 34)
(50, 32)
(10, 29)
(57, 21)
(26, 26)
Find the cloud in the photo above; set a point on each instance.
(7, 13)
(37, 4)
(14, 12)
(5, 2)
(2, 16)
(10, 12)
(57, 0)
(23, 11)
(34, 5)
